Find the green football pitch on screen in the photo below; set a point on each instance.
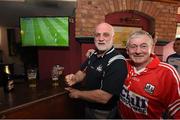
(44, 31)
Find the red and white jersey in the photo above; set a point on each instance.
(149, 93)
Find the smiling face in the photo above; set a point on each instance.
(139, 48)
(104, 37)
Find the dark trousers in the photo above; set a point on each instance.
(100, 114)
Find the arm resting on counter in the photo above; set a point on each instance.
(98, 95)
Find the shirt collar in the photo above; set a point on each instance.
(106, 53)
(153, 64)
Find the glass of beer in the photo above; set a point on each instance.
(57, 71)
(32, 77)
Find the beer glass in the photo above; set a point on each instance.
(32, 77)
(56, 72)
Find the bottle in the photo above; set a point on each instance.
(8, 82)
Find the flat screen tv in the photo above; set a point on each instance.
(44, 31)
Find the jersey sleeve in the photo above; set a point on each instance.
(115, 74)
(83, 66)
(172, 93)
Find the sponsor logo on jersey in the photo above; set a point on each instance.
(99, 68)
(134, 101)
(149, 88)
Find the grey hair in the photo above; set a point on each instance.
(139, 33)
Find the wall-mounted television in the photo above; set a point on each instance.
(44, 31)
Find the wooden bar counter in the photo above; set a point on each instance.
(44, 101)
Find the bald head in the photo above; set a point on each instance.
(106, 27)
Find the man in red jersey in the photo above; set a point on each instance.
(152, 87)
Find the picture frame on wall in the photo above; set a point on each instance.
(121, 35)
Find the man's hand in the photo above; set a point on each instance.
(89, 52)
(73, 93)
(70, 79)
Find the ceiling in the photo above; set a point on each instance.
(12, 10)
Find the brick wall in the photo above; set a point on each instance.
(91, 12)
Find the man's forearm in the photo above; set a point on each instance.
(80, 75)
(99, 96)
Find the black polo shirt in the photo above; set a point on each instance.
(108, 78)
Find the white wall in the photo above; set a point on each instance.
(167, 50)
